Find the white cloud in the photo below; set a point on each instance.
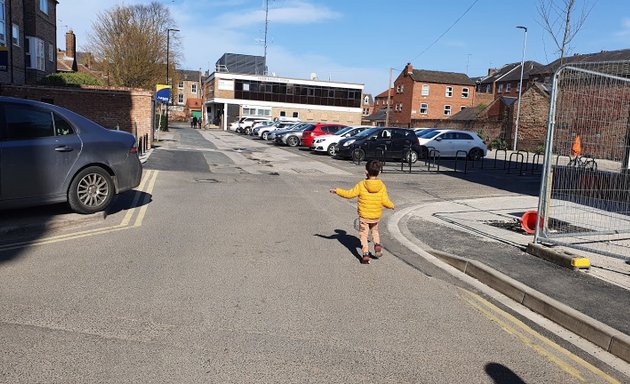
(625, 29)
(291, 12)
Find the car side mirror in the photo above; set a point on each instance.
(373, 138)
(438, 139)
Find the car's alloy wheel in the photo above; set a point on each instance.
(91, 190)
(475, 154)
(331, 150)
(293, 141)
(358, 155)
(265, 135)
(411, 156)
(248, 131)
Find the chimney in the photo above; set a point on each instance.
(492, 71)
(408, 69)
(71, 49)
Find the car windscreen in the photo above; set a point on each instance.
(431, 134)
(366, 133)
(343, 130)
(425, 132)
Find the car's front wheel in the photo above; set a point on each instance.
(332, 149)
(91, 190)
(293, 141)
(358, 155)
(265, 135)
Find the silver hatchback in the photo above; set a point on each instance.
(49, 154)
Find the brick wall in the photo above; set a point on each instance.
(532, 130)
(126, 109)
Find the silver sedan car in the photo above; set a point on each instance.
(49, 154)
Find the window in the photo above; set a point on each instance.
(425, 90)
(296, 114)
(402, 88)
(246, 87)
(3, 37)
(51, 52)
(488, 88)
(465, 92)
(43, 6)
(500, 88)
(62, 127)
(26, 122)
(366, 99)
(35, 55)
(283, 113)
(180, 98)
(449, 91)
(398, 89)
(180, 85)
(400, 107)
(447, 110)
(424, 108)
(193, 88)
(462, 108)
(15, 35)
(508, 87)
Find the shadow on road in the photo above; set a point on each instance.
(501, 374)
(352, 243)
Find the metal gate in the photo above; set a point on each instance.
(585, 194)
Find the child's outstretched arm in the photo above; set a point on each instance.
(387, 203)
(347, 193)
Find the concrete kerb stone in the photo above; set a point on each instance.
(557, 257)
(600, 334)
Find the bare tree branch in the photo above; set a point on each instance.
(129, 42)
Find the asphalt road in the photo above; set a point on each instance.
(236, 265)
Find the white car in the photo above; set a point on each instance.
(453, 143)
(264, 130)
(328, 143)
(244, 122)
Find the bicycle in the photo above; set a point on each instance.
(583, 162)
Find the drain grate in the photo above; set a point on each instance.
(211, 181)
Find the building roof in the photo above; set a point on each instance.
(511, 72)
(603, 56)
(379, 115)
(423, 75)
(468, 114)
(383, 94)
(189, 75)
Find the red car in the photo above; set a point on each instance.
(318, 129)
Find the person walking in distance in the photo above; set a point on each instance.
(372, 197)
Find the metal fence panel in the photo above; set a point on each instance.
(585, 193)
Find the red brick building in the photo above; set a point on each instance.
(27, 40)
(429, 95)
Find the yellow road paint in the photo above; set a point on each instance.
(534, 339)
(145, 201)
(148, 181)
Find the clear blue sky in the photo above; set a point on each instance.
(358, 41)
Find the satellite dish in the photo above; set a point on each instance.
(313, 76)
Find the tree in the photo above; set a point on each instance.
(129, 43)
(557, 19)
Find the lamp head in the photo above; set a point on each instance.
(522, 27)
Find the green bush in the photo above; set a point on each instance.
(71, 79)
(498, 143)
(161, 121)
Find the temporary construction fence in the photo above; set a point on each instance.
(585, 191)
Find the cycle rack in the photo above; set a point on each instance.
(435, 155)
(465, 160)
(518, 155)
(504, 158)
(559, 156)
(536, 164)
(526, 161)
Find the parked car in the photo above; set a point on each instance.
(245, 123)
(328, 143)
(239, 123)
(377, 143)
(264, 130)
(260, 123)
(292, 137)
(272, 135)
(318, 129)
(50, 154)
(452, 143)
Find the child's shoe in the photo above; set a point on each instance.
(365, 259)
(378, 251)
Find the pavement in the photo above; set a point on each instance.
(484, 240)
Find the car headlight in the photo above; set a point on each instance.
(347, 143)
(280, 136)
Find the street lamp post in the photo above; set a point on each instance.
(168, 42)
(520, 87)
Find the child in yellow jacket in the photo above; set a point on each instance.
(372, 195)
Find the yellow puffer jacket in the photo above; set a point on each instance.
(372, 195)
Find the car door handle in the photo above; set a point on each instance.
(63, 148)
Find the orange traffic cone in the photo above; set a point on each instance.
(576, 148)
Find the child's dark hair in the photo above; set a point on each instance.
(373, 167)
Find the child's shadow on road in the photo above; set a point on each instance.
(351, 242)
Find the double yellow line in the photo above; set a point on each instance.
(146, 185)
(567, 361)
